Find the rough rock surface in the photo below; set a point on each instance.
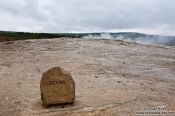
(113, 78)
(57, 87)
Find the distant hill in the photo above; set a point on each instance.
(126, 36)
(12, 36)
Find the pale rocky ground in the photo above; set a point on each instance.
(113, 78)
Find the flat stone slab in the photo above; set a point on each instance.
(57, 87)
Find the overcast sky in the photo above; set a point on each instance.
(147, 16)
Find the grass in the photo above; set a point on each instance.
(13, 36)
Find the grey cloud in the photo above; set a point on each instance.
(148, 16)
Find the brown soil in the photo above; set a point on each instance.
(113, 78)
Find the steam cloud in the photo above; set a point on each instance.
(135, 37)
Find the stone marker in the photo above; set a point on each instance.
(57, 87)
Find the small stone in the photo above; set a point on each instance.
(96, 76)
(119, 81)
(57, 87)
(18, 83)
(152, 89)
